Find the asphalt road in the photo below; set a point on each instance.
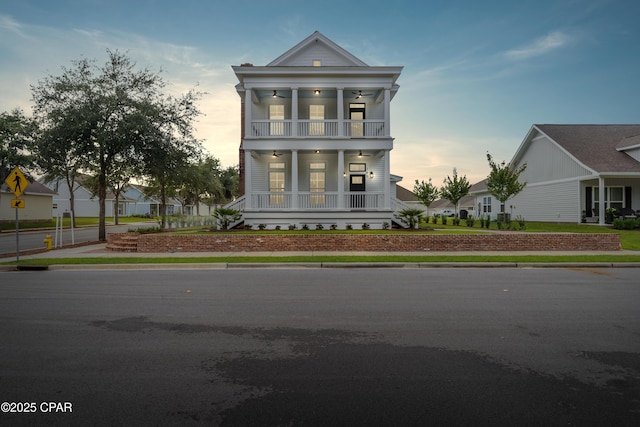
(319, 347)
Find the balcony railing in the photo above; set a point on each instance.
(318, 128)
(317, 201)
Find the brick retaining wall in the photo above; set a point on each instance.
(392, 242)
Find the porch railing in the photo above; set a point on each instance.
(318, 128)
(317, 201)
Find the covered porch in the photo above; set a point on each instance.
(320, 179)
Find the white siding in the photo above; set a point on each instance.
(317, 51)
(553, 202)
(549, 163)
(635, 153)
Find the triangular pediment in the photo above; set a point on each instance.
(316, 47)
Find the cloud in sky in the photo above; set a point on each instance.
(541, 46)
(474, 79)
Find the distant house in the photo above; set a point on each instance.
(570, 170)
(132, 200)
(316, 139)
(38, 203)
(138, 203)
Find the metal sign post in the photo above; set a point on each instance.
(17, 182)
(17, 238)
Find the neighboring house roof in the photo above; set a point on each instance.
(479, 187)
(33, 188)
(598, 147)
(405, 195)
(629, 143)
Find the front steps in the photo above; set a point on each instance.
(123, 242)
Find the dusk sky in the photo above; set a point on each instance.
(477, 74)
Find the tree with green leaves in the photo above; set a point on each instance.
(426, 192)
(165, 164)
(455, 189)
(16, 136)
(113, 114)
(230, 180)
(503, 181)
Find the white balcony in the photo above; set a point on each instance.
(272, 129)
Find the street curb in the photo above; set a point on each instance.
(295, 265)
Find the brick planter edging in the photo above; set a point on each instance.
(392, 242)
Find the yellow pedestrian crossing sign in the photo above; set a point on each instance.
(17, 182)
(17, 203)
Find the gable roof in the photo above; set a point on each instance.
(597, 147)
(322, 46)
(629, 143)
(34, 188)
(405, 194)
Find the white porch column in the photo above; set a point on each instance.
(387, 179)
(387, 112)
(341, 179)
(248, 190)
(247, 113)
(340, 107)
(601, 206)
(294, 111)
(294, 179)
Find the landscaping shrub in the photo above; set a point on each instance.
(626, 223)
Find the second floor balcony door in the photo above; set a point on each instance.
(356, 115)
(316, 118)
(276, 117)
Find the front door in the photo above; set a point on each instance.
(357, 184)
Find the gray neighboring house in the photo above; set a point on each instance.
(570, 169)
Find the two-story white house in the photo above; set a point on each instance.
(316, 139)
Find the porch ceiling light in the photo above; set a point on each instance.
(317, 151)
(317, 91)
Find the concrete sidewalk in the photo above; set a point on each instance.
(98, 250)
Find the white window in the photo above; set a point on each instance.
(613, 198)
(486, 204)
(316, 116)
(276, 116)
(317, 182)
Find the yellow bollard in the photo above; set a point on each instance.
(47, 241)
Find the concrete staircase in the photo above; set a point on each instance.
(123, 242)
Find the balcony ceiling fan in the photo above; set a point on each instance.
(276, 155)
(363, 155)
(275, 94)
(359, 94)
